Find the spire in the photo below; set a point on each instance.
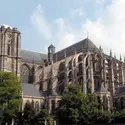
(120, 57)
(100, 48)
(87, 34)
(110, 52)
(115, 55)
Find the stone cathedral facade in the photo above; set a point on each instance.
(45, 77)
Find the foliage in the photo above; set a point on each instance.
(28, 113)
(10, 90)
(118, 117)
(42, 116)
(30, 118)
(101, 117)
(79, 108)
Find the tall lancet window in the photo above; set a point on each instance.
(97, 64)
(37, 107)
(25, 73)
(61, 77)
(8, 49)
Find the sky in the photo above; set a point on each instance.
(64, 22)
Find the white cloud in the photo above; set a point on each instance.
(40, 23)
(100, 1)
(107, 30)
(77, 12)
(110, 28)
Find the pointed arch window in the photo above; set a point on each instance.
(25, 73)
(97, 63)
(61, 77)
(27, 104)
(8, 49)
(49, 85)
(39, 73)
(32, 103)
(37, 107)
(53, 106)
(96, 83)
(105, 103)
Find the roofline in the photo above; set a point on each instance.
(34, 51)
(72, 45)
(27, 96)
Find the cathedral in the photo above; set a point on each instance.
(44, 77)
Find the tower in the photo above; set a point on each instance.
(9, 49)
(51, 51)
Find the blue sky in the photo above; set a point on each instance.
(64, 22)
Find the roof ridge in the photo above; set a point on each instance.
(86, 40)
(33, 51)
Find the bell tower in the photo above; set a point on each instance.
(10, 49)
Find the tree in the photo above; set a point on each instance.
(118, 116)
(10, 91)
(29, 114)
(43, 117)
(79, 108)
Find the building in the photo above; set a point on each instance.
(119, 98)
(44, 77)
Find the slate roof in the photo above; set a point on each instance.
(33, 56)
(85, 44)
(30, 90)
(120, 90)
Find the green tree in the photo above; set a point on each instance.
(42, 116)
(10, 91)
(79, 108)
(118, 116)
(28, 114)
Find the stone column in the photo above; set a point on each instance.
(88, 67)
(84, 75)
(5, 43)
(2, 51)
(75, 73)
(91, 76)
(66, 72)
(56, 101)
(18, 61)
(104, 74)
(108, 105)
(111, 81)
(50, 106)
(101, 100)
(121, 74)
(54, 85)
